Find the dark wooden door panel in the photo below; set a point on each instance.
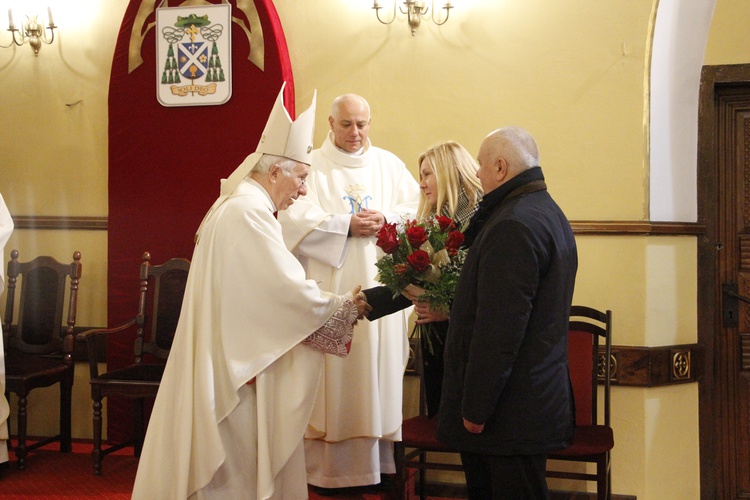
(724, 276)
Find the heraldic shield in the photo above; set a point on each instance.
(194, 55)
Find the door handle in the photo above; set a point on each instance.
(730, 304)
(731, 290)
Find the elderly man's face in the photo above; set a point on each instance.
(488, 172)
(350, 125)
(290, 187)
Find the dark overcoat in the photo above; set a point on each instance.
(506, 350)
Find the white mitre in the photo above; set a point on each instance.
(287, 138)
(282, 136)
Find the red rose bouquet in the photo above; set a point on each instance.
(427, 254)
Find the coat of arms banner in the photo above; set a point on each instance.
(170, 158)
(194, 55)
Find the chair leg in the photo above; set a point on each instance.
(602, 478)
(422, 471)
(398, 452)
(21, 448)
(66, 394)
(96, 453)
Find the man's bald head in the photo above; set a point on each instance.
(505, 153)
(350, 122)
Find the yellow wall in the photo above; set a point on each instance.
(729, 38)
(572, 72)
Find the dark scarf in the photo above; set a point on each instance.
(526, 182)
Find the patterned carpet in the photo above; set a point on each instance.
(54, 475)
(50, 475)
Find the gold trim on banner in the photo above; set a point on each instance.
(136, 36)
(254, 33)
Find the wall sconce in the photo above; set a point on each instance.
(415, 10)
(31, 31)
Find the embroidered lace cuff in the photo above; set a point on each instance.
(335, 336)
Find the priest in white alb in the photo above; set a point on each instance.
(242, 373)
(6, 228)
(353, 189)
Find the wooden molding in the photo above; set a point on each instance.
(54, 222)
(638, 228)
(602, 227)
(655, 366)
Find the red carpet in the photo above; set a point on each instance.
(50, 474)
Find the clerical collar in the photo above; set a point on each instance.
(356, 153)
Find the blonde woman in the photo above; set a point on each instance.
(448, 186)
(448, 182)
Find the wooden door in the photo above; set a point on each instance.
(724, 277)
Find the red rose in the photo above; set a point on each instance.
(444, 222)
(400, 269)
(419, 260)
(454, 240)
(388, 238)
(416, 236)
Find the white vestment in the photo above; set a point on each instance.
(358, 409)
(6, 228)
(247, 307)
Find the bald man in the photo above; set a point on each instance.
(353, 189)
(506, 400)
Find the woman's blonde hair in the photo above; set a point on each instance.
(455, 171)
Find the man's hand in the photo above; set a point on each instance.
(366, 224)
(363, 308)
(473, 428)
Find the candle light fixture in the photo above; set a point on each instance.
(415, 10)
(32, 31)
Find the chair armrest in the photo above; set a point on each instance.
(88, 337)
(89, 334)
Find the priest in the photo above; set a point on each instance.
(242, 373)
(6, 228)
(354, 188)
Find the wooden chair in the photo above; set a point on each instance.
(592, 442)
(39, 346)
(161, 291)
(418, 435)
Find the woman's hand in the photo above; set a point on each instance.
(412, 292)
(472, 427)
(426, 314)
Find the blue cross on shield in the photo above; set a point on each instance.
(192, 59)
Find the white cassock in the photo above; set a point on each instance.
(247, 307)
(358, 409)
(6, 228)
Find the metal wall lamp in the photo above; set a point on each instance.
(32, 31)
(415, 10)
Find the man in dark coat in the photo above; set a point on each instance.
(507, 401)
